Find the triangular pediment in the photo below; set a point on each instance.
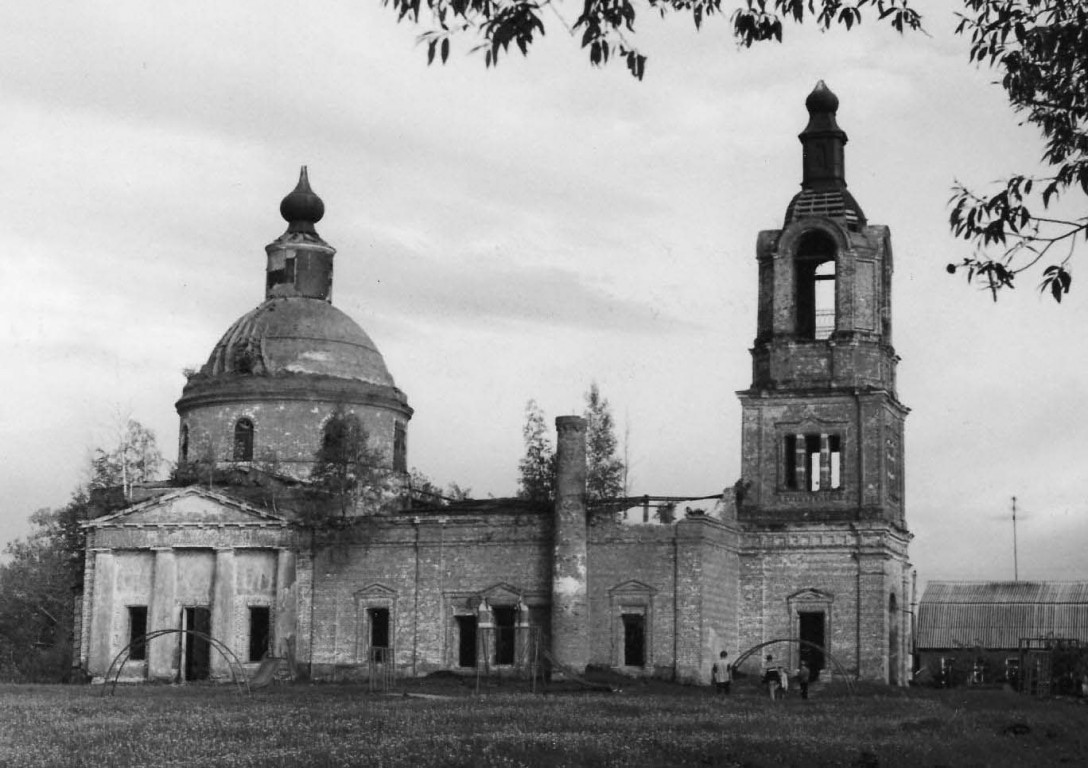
(375, 591)
(189, 506)
(810, 595)
(501, 594)
(632, 587)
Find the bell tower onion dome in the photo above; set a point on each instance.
(823, 179)
(281, 370)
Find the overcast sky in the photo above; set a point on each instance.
(514, 233)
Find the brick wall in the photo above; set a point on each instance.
(817, 568)
(287, 433)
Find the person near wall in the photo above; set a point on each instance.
(721, 674)
(772, 677)
(803, 676)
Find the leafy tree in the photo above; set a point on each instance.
(135, 459)
(36, 602)
(606, 27)
(536, 469)
(604, 469)
(421, 489)
(1040, 47)
(345, 466)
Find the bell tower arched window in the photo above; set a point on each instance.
(184, 443)
(815, 285)
(243, 440)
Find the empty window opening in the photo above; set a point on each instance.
(812, 627)
(400, 448)
(835, 460)
(137, 628)
(1012, 670)
(282, 275)
(634, 639)
(243, 440)
(824, 300)
(815, 286)
(185, 443)
(379, 634)
(259, 624)
(812, 462)
(504, 633)
(466, 641)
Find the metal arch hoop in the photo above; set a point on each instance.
(233, 662)
(804, 643)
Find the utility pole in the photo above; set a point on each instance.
(1015, 564)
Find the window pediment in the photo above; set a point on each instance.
(501, 594)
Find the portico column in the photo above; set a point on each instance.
(101, 628)
(223, 610)
(162, 650)
(286, 605)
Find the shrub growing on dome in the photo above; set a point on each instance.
(345, 466)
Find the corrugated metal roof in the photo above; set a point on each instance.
(997, 614)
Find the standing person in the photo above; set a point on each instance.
(771, 676)
(721, 674)
(803, 676)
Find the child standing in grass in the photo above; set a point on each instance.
(721, 674)
(803, 676)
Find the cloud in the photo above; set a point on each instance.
(482, 289)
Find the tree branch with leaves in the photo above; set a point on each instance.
(605, 29)
(1040, 47)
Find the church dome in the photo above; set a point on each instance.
(282, 370)
(298, 335)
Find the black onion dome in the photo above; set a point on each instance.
(302, 208)
(822, 99)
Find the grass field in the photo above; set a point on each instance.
(444, 723)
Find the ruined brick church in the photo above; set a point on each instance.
(811, 546)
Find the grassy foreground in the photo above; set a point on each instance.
(444, 724)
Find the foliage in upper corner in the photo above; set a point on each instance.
(1040, 48)
(604, 27)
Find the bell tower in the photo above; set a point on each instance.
(823, 426)
(822, 431)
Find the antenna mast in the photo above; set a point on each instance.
(1015, 565)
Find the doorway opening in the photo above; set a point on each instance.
(196, 651)
(634, 639)
(466, 641)
(260, 620)
(379, 634)
(812, 629)
(504, 633)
